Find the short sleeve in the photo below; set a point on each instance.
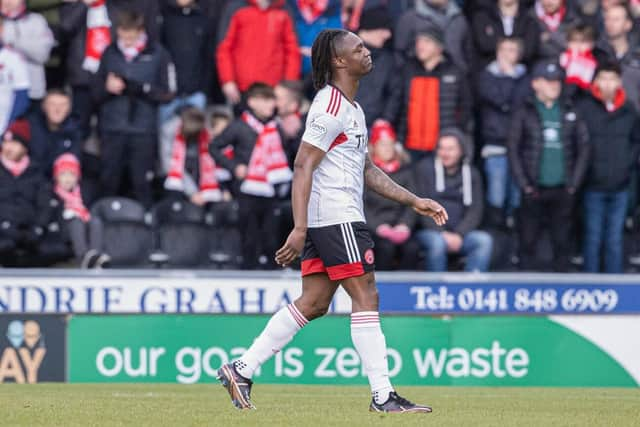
(322, 130)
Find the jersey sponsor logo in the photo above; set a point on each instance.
(369, 257)
(318, 128)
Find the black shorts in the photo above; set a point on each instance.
(341, 251)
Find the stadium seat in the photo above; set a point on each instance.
(181, 233)
(127, 231)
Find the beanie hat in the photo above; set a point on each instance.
(382, 130)
(19, 131)
(433, 31)
(66, 162)
(375, 18)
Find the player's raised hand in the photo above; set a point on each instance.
(292, 247)
(431, 208)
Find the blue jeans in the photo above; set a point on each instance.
(502, 191)
(476, 248)
(604, 214)
(166, 111)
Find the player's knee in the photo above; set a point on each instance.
(313, 309)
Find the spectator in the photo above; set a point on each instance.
(260, 45)
(187, 162)
(578, 61)
(87, 27)
(186, 35)
(135, 76)
(457, 185)
(261, 170)
(430, 94)
(29, 34)
(390, 224)
(84, 233)
(375, 87)
(502, 88)
(506, 19)
(614, 131)
(619, 44)
(53, 130)
(14, 84)
(549, 154)
(554, 20)
(24, 195)
(447, 16)
(311, 17)
(289, 99)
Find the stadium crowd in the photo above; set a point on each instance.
(520, 117)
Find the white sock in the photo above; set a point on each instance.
(370, 344)
(279, 331)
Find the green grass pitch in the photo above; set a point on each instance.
(309, 406)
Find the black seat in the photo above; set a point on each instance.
(127, 231)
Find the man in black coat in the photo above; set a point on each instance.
(135, 76)
(24, 195)
(614, 131)
(548, 147)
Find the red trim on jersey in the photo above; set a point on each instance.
(332, 100)
(337, 108)
(344, 271)
(340, 139)
(312, 266)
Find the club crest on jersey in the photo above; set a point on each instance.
(369, 258)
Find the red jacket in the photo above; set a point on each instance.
(260, 46)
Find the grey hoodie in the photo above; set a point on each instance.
(457, 40)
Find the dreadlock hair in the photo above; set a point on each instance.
(322, 53)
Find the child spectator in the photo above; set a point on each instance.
(578, 61)
(53, 130)
(502, 88)
(135, 76)
(14, 84)
(549, 155)
(450, 179)
(390, 223)
(289, 99)
(84, 233)
(186, 35)
(186, 160)
(261, 169)
(24, 195)
(430, 94)
(29, 34)
(614, 136)
(260, 45)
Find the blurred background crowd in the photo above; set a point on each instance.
(158, 132)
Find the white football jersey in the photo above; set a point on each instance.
(13, 76)
(337, 127)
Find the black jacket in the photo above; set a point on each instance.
(454, 101)
(630, 64)
(73, 30)
(525, 145)
(615, 143)
(551, 45)
(375, 87)
(462, 219)
(380, 210)
(150, 81)
(498, 96)
(46, 145)
(487, 28)
(186, 34)
(24, 200)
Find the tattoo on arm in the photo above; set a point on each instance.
(380, 182)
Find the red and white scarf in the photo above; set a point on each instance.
(73, 203)
(131, 53)
(98, 35)
(618, 100)
(552, 21)
(312, 9)
(208, 184)
(16, 168)
(388, 167)
(579, 67)
(268, 164)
